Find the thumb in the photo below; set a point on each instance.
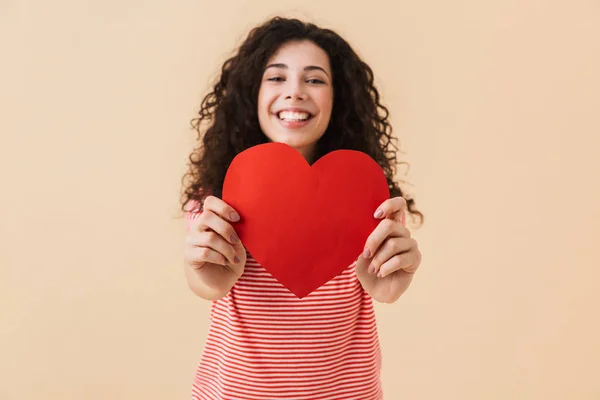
(362, 263)
(239, 247)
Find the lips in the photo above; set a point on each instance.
(293, 109)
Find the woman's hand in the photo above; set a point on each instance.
(391, 256)
(214, 256)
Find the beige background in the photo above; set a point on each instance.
(496, 104)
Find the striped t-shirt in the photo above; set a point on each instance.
(264, 343)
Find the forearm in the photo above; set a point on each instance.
(210, 283)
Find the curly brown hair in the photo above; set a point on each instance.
(358, 120)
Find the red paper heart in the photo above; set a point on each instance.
(304, 224)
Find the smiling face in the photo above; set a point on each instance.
(296, 96)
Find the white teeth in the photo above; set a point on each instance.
(293, 116)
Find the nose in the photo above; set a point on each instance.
(295, 90)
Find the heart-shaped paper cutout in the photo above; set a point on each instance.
(304, 224)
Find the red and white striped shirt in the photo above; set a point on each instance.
(264, 343)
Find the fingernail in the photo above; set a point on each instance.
(234, 238)
(378, 214)
(371, 269)
(380, 275)
(234, 216)
(367, 253)
(236, 260)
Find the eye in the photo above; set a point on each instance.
(275, 79)
(317, 81)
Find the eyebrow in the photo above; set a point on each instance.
(308, 68)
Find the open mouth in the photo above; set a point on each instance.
(293, 116)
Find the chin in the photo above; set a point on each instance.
(301, 144)
(298, 145)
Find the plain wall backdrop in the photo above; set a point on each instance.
(496, 106)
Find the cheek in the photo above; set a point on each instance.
(262, 96)
(325, 114)
(325, 103)
(264, 103)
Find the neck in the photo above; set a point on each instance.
(308, 153)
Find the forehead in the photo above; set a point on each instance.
(299, 54)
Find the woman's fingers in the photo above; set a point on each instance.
(386, 228)
(215, 242)
(216, 217)
(198, 256)
(391, 208)
(390, 248)
(209, 221)
(220, 208)
(406, 261)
